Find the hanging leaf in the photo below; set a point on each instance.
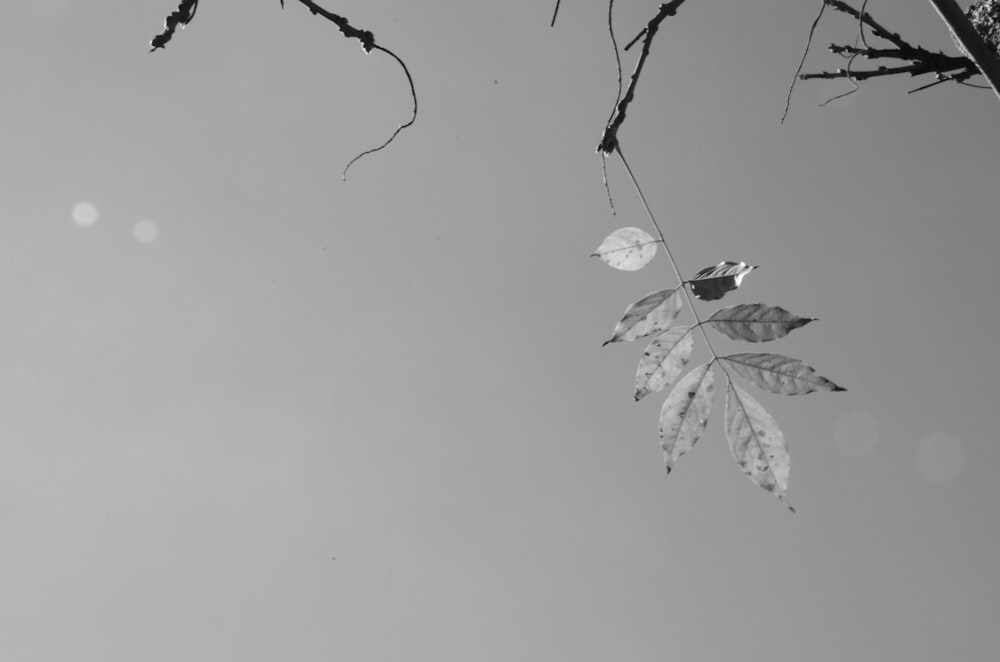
(756, 442)
(713, 282)
(663, 361)
(651, 314)
(628, 249)
(779, 374)
(685, 413)
(756, 322)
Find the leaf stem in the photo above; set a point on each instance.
(670, 256)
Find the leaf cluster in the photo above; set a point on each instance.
(755, 440)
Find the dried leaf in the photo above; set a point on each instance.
(651, 314)
(685, 413)
(756, 322)
(628, 249)
(779, 374)
(757, 443)
(663, 361)
(713, 282)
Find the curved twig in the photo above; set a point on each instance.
(367, 40)
(618, 98)
(408, 123)
(802, 61)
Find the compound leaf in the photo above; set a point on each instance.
(756, 442)
(651, 314)
(756, 322)
(663, 361)
(685, 413)
(779, 374)
(627, 249)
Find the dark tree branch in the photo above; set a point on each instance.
(180, 17)
(367, 40)
(555, 13)
(913, 69)
(185, 12)
(920, 60)
(866, 18)
(609, 141)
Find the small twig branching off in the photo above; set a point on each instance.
(802, 60)
(185, 12)
(555, 12)
(618, 97)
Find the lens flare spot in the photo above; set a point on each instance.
(940, 457)
(145, 231)
(84, 214)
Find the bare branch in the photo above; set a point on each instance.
(367, 40)
(609, 141)
(865, 18)
(180, 17)
(920, 60)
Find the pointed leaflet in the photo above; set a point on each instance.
(756, 442)
(651, 314)
(628, 249)
(756, 322)
(779, 374)
(663, 361)
(713, 282)
(685, 413)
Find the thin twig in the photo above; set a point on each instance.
(618, 58)
(850, 79)
(604, 178)
(914, 69)
(670, 257)
(554, 14)
(861, 24)
(618, 97)
(802, 61)
(367, 40)
(877, 29)
(408, 123)
(636, 38)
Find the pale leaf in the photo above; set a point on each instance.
(756, 322)
(713, 282)
(651, 314)
(779, 374)
(685, 413)
(663, 361)
(756, 442)
(628, 249)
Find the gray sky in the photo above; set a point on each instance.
(226, 368)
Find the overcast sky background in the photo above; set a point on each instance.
(251, 412)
